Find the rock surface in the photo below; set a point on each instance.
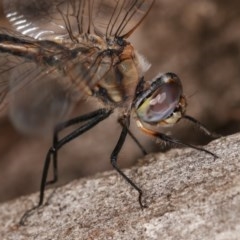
(190, 195)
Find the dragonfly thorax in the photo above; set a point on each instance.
(112, 68)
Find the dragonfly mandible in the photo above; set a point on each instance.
(61, 51)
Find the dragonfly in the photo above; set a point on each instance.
(59, 52)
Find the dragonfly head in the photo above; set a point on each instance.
(163, 102)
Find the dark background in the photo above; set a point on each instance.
(198, 40)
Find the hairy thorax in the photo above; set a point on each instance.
(108, 69)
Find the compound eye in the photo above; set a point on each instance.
(161, 103)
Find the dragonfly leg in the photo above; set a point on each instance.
(92, 119)
(171, 140)
(201, 127)
(58, 129)
(114, 157)
(144, 152)
(54, 160)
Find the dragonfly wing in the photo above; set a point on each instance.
(44, 19)
(7, 64)
(37, 97)
(120, 17)
(59, 19)
(41, 80)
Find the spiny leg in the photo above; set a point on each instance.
(93, 119)
(58, 129)
(114, 157)
(176, 141)
(168, 139)
(54, 160)
(139, 90)
(144, 152)
(201, 127)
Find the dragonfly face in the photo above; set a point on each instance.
(163, 102)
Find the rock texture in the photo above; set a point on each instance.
(189, 194)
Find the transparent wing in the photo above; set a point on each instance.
(58, 19)
(37, 98)
(48, 19)
(6, 63)
(119, 17)
(41, 80)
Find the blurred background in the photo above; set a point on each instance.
(198, 40)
